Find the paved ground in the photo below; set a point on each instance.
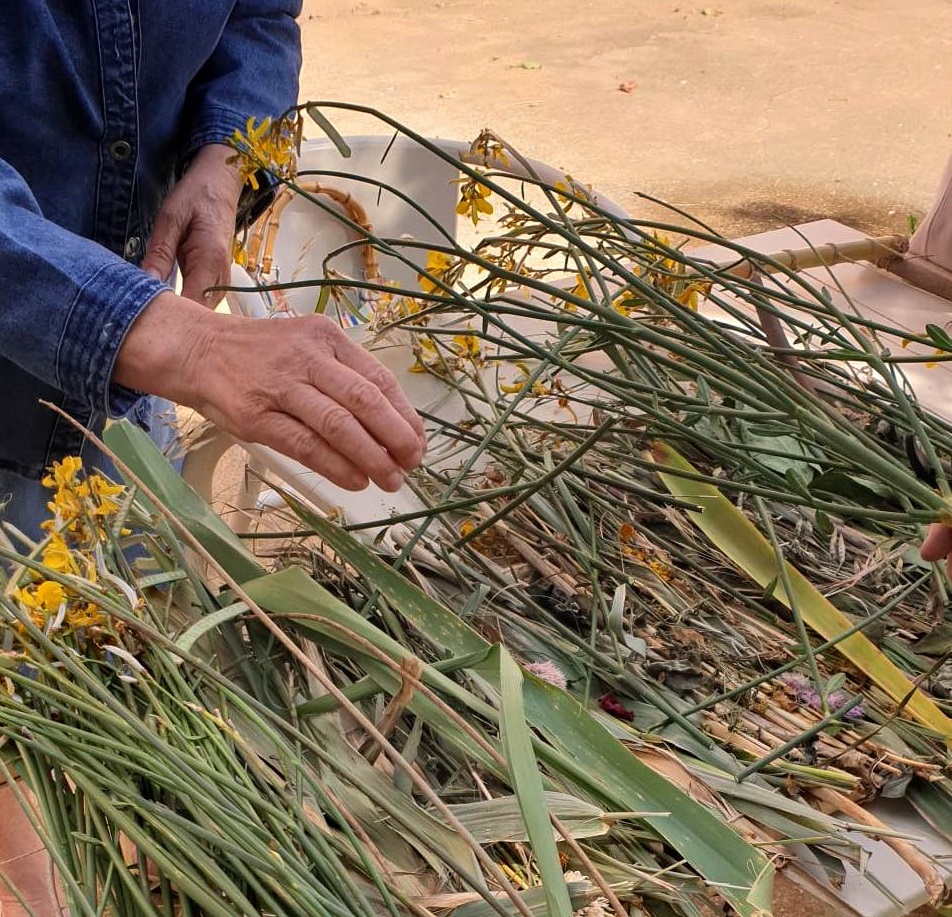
(750, 113)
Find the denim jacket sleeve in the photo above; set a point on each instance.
(89, 298)
(253, 71)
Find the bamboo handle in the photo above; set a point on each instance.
(266, 231)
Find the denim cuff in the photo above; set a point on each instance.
(216, 124)
(99, 319)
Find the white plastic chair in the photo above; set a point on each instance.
(304, 237)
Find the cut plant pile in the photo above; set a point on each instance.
(655, 627)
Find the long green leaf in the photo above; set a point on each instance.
(134, 447)
(602, 763)
(209, 622)
(527, 784)
(492, 821)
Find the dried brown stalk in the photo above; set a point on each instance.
(832, 801)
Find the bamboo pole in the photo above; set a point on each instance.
(920, 864)
(883, 252)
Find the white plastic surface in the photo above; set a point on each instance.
(306, 237)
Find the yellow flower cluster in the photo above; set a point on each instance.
(490, 148)
(81, 508)
(569, 186)
(659, 269)
(267, 144)
(439, 267)
(79, 503)
(633, 547)
(463, 352)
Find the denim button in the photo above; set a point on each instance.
(133, 247)
(120, 150)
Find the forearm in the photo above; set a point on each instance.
(65, 302)
(167, 340)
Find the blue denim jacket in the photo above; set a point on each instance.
(101, 101)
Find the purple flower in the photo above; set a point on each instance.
(802, 689)
(805, 694)
(837, 699)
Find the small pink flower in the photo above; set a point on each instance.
(804, 693)
(548, 671)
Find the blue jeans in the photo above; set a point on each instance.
(23, 500)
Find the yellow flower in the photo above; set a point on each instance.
(473, 201)
(539, 389)
(567, 186)
(580, 290)
(266, 145)
(104, 492)
(438, 266)
(661, 570)
(490, 148)
(424, 347)
(66, 503)
(41, 600)
(688, 296)
(49, 596)
(57, 556)
(517, 384)
(467, 349)
(87, 615)
(627, 302)
(931, 364)
(63, 474)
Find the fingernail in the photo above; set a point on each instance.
(152, 272)
(393, 482)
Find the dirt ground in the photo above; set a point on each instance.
(750, 114)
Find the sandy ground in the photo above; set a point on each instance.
(749, 113)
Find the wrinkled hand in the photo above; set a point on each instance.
(938, 544)
(299, 385)
(196, 224)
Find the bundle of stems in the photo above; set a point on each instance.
(555, 684)
(609, 381)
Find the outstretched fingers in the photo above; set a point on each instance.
(349, 430)
(371, 393)
(292, 438)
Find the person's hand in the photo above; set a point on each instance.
(298, 385)
(938, 544)
(196, 224)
